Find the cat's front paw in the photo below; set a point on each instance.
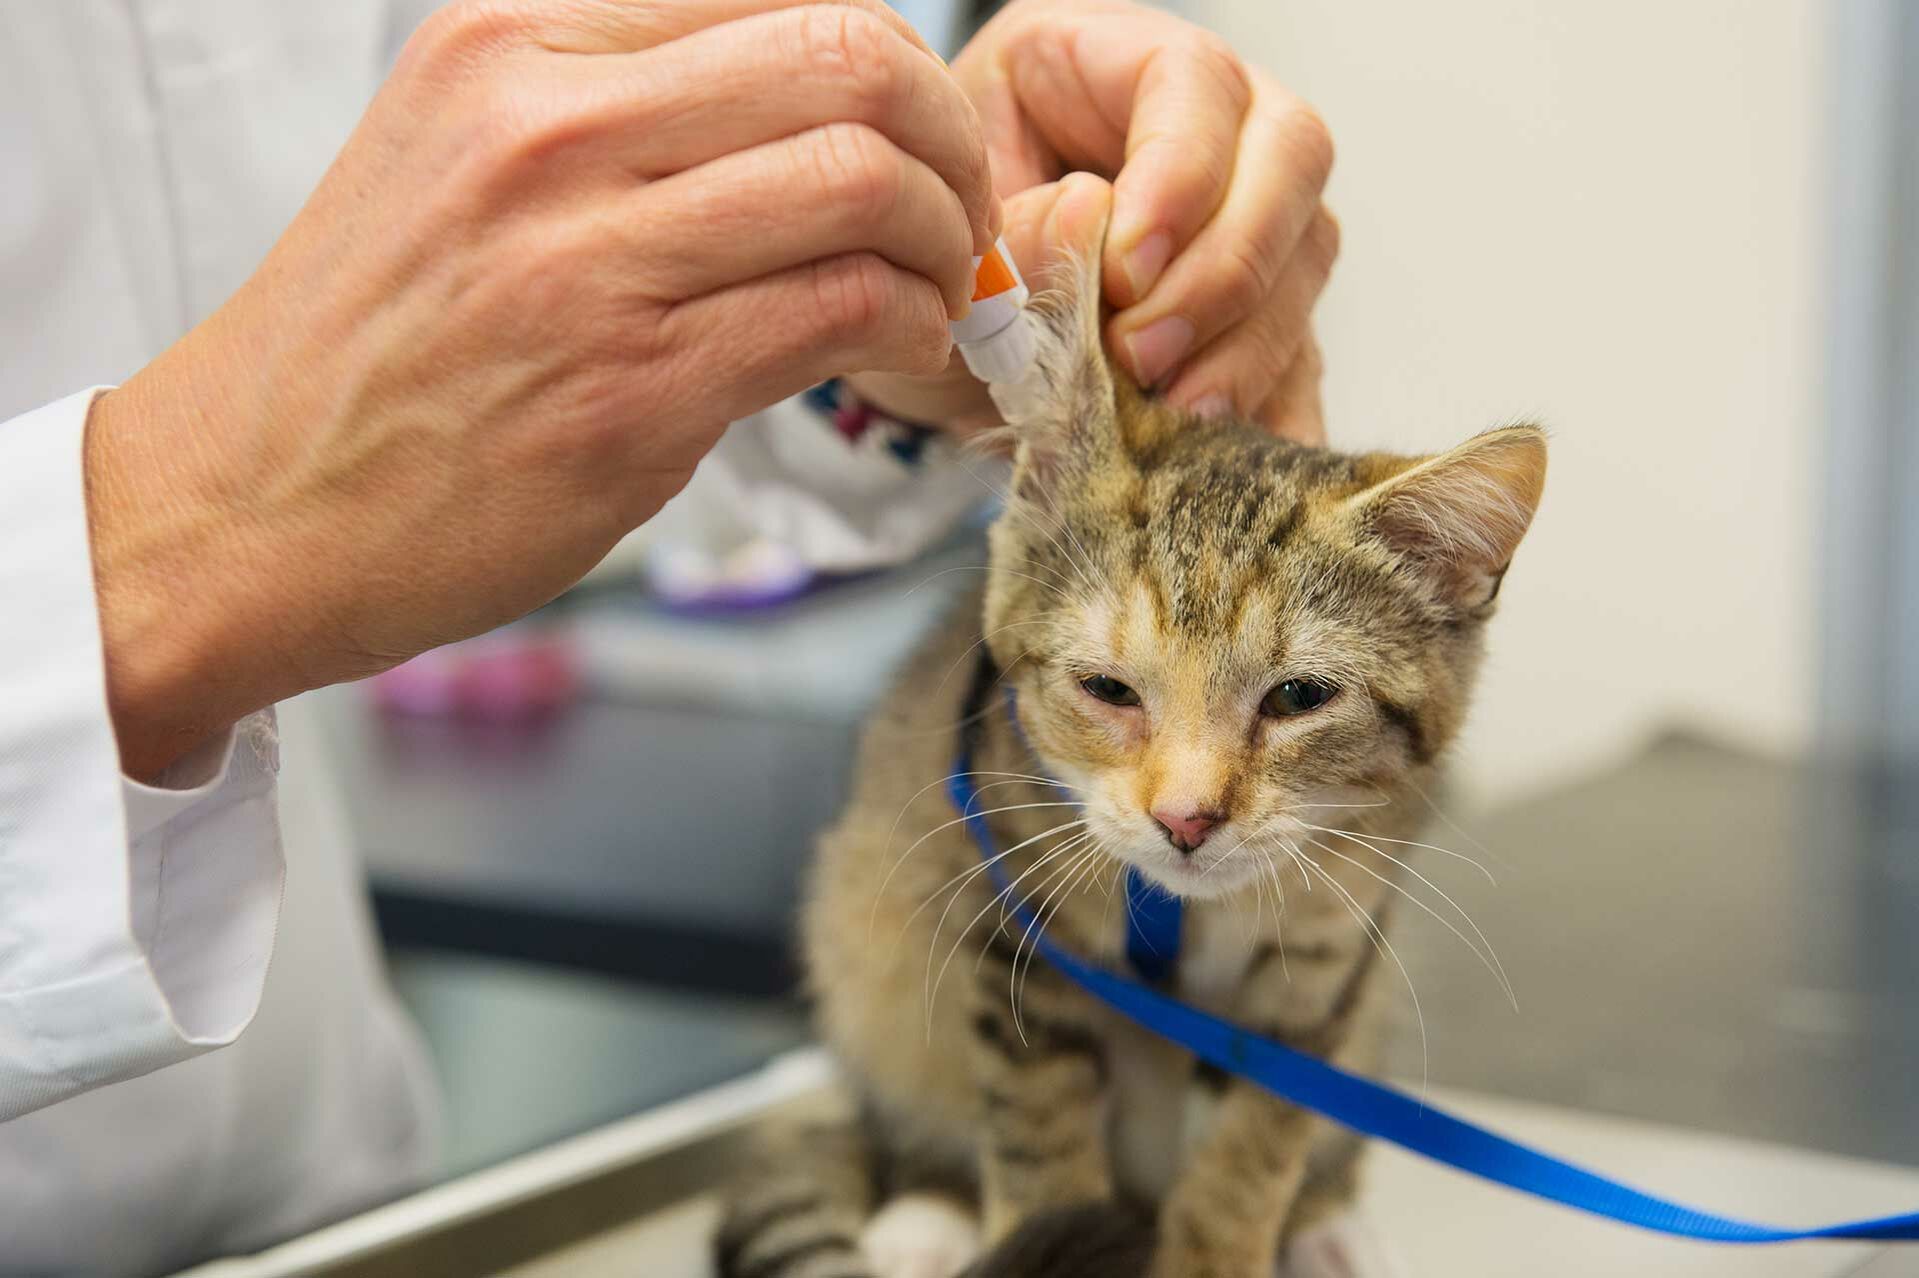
(1342, 1246)
(921, 1236)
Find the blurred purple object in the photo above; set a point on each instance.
(759, 574)
(498, 677)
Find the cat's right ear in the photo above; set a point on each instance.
(1061, 413)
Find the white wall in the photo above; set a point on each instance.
(1605, 217)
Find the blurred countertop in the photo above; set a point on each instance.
(1699, 936)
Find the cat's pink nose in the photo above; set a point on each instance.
(1186, 828)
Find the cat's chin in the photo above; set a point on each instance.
(1197, 882)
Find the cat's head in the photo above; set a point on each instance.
(1215, 636)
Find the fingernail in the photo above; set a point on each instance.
(1146, 261)
(1214, 405)
(1159, 346)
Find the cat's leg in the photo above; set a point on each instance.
(1343, 1245)
(1246, 1175)
(1326, 1236)
(1042, 1088)
(1332, 1180)
(1225, 1212)
(800, 1210)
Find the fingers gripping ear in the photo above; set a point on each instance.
(1459, 517)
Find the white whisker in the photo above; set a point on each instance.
(1036, 928)
(973, 647)
(908, 805)
(1487, 957)
(1377, 935)
(1279, 908)
(970, 873)
(1454, 826)
(879, 893)
(933, 985)
(1411, 843)
(986, 812)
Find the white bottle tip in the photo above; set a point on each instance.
(1003, 356)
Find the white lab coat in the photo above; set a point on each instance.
(152, 150)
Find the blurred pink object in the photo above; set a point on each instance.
(499, 676)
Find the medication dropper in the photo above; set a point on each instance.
(995, 338)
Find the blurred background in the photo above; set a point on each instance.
(1611, 220)
(1681, 236)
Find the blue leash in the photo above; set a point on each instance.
(1373, 1109)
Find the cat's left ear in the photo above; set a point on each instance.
(1061, 414)
(1459, 516)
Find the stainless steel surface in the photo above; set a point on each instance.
(527, 1054)
(641, 1198)
(535, 1207)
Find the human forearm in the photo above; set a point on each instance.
(563, 249)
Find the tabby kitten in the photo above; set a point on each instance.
(1199, 651)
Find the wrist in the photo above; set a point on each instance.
(183, 657)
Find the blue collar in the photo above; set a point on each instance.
(1154, 919)
(1367, 1107)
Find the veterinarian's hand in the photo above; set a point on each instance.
(569, 241)
(1219, 244)
(1043, 223)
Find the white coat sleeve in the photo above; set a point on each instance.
(135, 921)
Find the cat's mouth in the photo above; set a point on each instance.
(1202, 874)
(1238, 853)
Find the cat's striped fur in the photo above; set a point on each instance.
(1201, 564)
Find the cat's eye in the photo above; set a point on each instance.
(1296, 696)
(1109, 690)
